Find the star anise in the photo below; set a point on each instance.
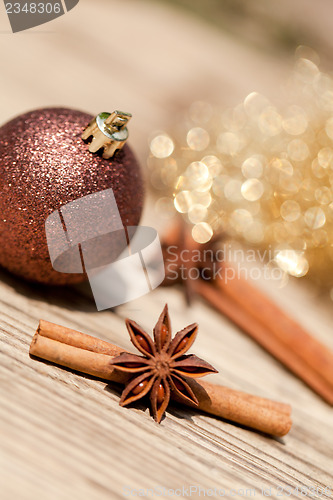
(163, 368)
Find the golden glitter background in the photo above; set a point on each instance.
(259, 172)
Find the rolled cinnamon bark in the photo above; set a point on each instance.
(290, 333)
(268, 340)
(75, 358)
(76, 339)
(242, 408)
(256, 314)
(87, 354)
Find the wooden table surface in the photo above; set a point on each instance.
(63, 435)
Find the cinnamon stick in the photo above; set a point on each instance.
(242, 409)
(87, 354)
(287, 330)
(261, 333)
(258, 316)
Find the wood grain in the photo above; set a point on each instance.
(63, 435)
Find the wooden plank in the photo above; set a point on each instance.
(66, 433)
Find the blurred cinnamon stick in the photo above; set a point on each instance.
(254, 313)
(86, 354)
(290, 333)
(262, 334)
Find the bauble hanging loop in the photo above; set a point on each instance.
(108, 131)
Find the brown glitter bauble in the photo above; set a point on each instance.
(44, 164)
